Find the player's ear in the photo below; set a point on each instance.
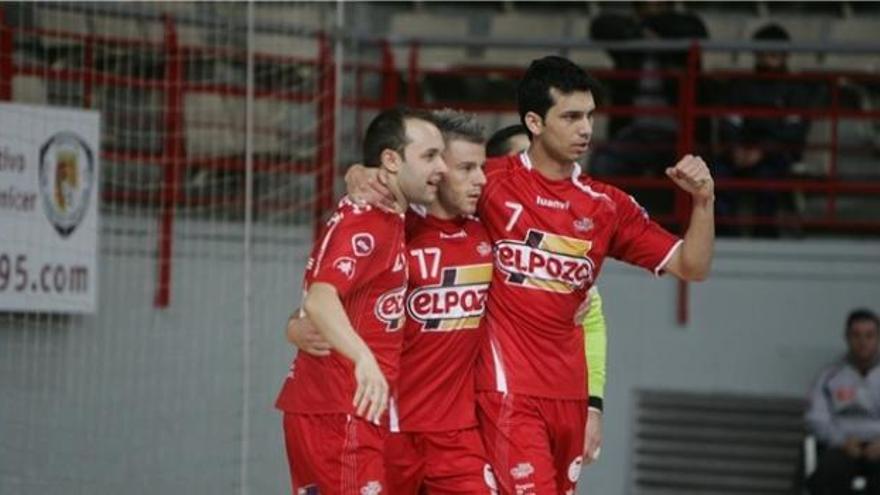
(534, 122)
(391, 160)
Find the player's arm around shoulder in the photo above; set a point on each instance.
(692, 261)
(495, 169)
(365, 186)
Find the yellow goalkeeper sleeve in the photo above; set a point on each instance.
(595, 347)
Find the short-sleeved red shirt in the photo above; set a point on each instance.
(550, 239)
(450, 267)
(362, 254)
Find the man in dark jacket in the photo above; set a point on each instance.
(641, 144)
(763, 147)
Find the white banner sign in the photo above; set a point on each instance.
(49, 163)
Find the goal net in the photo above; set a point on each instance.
(217, 136)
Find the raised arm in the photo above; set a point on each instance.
(693, 259)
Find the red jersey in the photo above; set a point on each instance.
(550, 239)
(361, 254)
(450, 267)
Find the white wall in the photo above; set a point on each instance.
(767, 320)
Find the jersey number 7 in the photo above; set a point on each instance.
(517, 211)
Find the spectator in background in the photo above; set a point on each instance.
(643, 144)
(762, 147)
(844, 412)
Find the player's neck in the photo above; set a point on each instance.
(864, 365)
(546, 165)
(437, 210)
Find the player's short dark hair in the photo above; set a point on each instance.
(533, 92)
(861, 314)
(455, 124)
(387, 131)
(499, 143)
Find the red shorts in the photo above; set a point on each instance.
(449, 462)
(535, 444)
(334, 454)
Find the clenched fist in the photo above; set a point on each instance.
(692, 175)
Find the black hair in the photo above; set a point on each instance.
(533, 92)
(861, 314)
(387, 131)
(498, 144)
(771, 32)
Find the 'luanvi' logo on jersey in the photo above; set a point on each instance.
(546, 261)
(389, 309)
(456, 304)
(551, 203)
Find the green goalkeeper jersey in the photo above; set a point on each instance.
(595, 347)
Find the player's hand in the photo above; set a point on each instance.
(592, 437)
(692, 175)
(363, 186)
(853, 447)
(872, 451)
(303, 334)
(371, 395)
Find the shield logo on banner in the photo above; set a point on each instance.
(67, 178)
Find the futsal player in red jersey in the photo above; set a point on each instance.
(435, 447)
(514, 140)
(334, 405)
(552, 228)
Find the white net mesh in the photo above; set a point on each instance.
(168, 387)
